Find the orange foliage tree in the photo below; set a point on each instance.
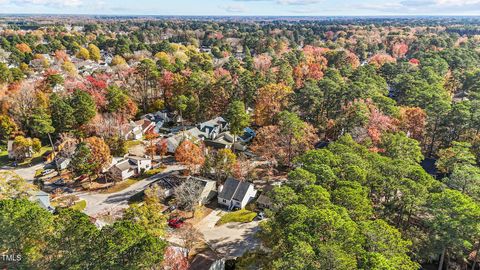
(412, 121)
(100, 153)
(271, 99)
(190, 154)
(23, 47)
(380, 59)
(399, 50)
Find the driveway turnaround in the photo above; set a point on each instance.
(230, 240)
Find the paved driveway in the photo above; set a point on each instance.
(231, 239)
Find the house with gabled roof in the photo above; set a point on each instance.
(129, 167)
(236, 194)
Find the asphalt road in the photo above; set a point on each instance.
(100, 202)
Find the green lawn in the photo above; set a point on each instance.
(80, 205)
(4, 158)
(149, 173)
(133, 143)
(241, 215)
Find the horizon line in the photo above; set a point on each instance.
(238, 15)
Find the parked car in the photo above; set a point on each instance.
(61, 190)
(176, 222)
(169, 209)
(59, 182)
(47, 172)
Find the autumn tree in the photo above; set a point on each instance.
(13, 186)
(7, 127)
(25, 147)
(83, 54)
(221, 162)
(282, 142)
(190, 154)
(458, 154)
(100, 153)
(413, 121)
(94, 52)
(271, 99)
(151, 148)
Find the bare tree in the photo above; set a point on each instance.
(69, 144)
(190, 236)
(23, 102)
(188, 195)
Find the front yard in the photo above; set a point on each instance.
(119, 186)
(241, 215)
(4, 161)
(35, 159)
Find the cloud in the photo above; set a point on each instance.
(52, 3)
(234, 8)
(425, 7)
(287, 2)
(298, 2)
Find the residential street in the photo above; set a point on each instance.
(27, 173)
(100, 203)
(231, 239)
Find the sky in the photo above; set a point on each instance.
(245, 7)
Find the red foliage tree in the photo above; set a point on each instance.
(399, 50)
(381, 59)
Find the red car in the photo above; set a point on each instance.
(176, 222)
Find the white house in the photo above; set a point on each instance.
(14, 153)
(63, 163)
(235, 193)
(136, 130)
(132, 166)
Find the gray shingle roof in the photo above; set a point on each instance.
(241, 191)
(229, 188)
(234, 189)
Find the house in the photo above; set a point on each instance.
(13, 152)
(236, 194)
(192, 134)
(169, 182)
(209, 189)
(214, 127)
(62, 163)
(225, 140)
(42, 198)
(161, 118)
(264, 201)
(136, 130)
(131, 166)
(207, 260)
